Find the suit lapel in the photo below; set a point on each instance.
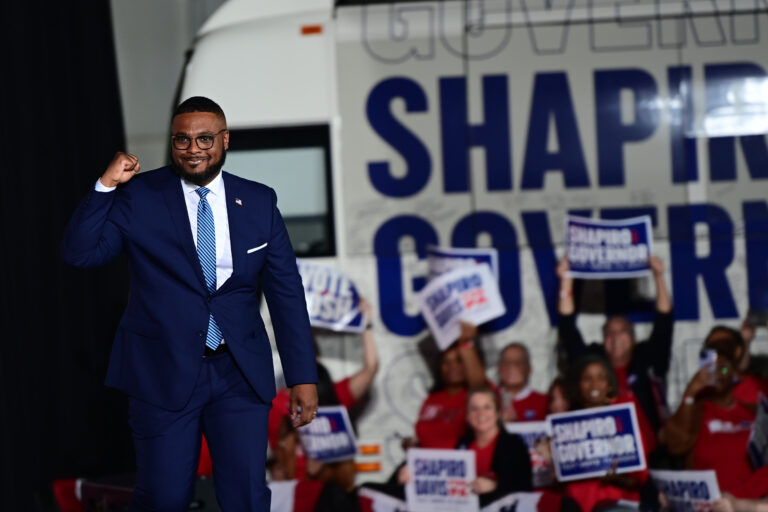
(237, 224)
(174, 198)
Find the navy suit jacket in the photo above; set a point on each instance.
(158, 349)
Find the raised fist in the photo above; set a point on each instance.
(121, 169)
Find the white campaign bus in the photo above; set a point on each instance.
(389, 127)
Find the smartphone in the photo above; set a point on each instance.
(707, 361)
(707, 357)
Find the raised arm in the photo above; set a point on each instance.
(360, 382)
(660, 341)
(663, 299)
(473, 367)
(569, 334)
(94, 234)
(747, 334)
(682, 428)
(565, 302)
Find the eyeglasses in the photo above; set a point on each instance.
(183, 142)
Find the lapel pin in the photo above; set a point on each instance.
(239, 202)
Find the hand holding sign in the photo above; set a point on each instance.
(608, 249)
(596, 441)
(468, 293)
(332, 298)
(441, 480)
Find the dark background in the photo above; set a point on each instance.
(61, 125)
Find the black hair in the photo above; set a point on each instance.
(435, 360)
(559, 382)
(326, 391)
(726, 346)
(575, 377)
(199, 104)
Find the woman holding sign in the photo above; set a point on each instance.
(594, 384)
(502, 462)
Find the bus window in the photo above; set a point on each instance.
(295, 161)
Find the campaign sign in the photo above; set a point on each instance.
(758, 438)
(440, 480)
(445, 259)
(588, 442)
(329, 437)
(332, 299)
(375, 501)
(536, 437)
(283, 495)
(606, 249)
(686, 491)
(515, 502)
(468, 293)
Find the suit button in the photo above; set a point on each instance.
(201, 333)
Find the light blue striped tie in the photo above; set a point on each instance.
(206, 253)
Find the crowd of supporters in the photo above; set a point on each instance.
(466, 410)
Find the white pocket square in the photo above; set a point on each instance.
(257, 248)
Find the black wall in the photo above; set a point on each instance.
(61, 124)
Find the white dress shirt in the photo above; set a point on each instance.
(217, 199)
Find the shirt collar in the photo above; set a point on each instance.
(522, 395)
(525, 393)
(216, 186)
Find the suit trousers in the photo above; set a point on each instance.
(233, 418)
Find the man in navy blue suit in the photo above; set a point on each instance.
(191, 351)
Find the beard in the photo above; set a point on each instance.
(200, 178)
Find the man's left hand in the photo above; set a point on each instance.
(303, 396)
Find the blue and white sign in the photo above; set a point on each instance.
(536, 436)
(329, 437)
(441, 480)
(469, 293)
(332, 298)
(515, 502)
(375, 501)
(687, 490)
(589, 442)
(608, 249)
(445, 259)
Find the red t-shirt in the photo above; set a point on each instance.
(529, 405)
(722, 444)
(590, 492)
(647, 433)
(484, 457)
(442, 420)
(749, 388)
(281, 406)
(622, 378)
(531, 408)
